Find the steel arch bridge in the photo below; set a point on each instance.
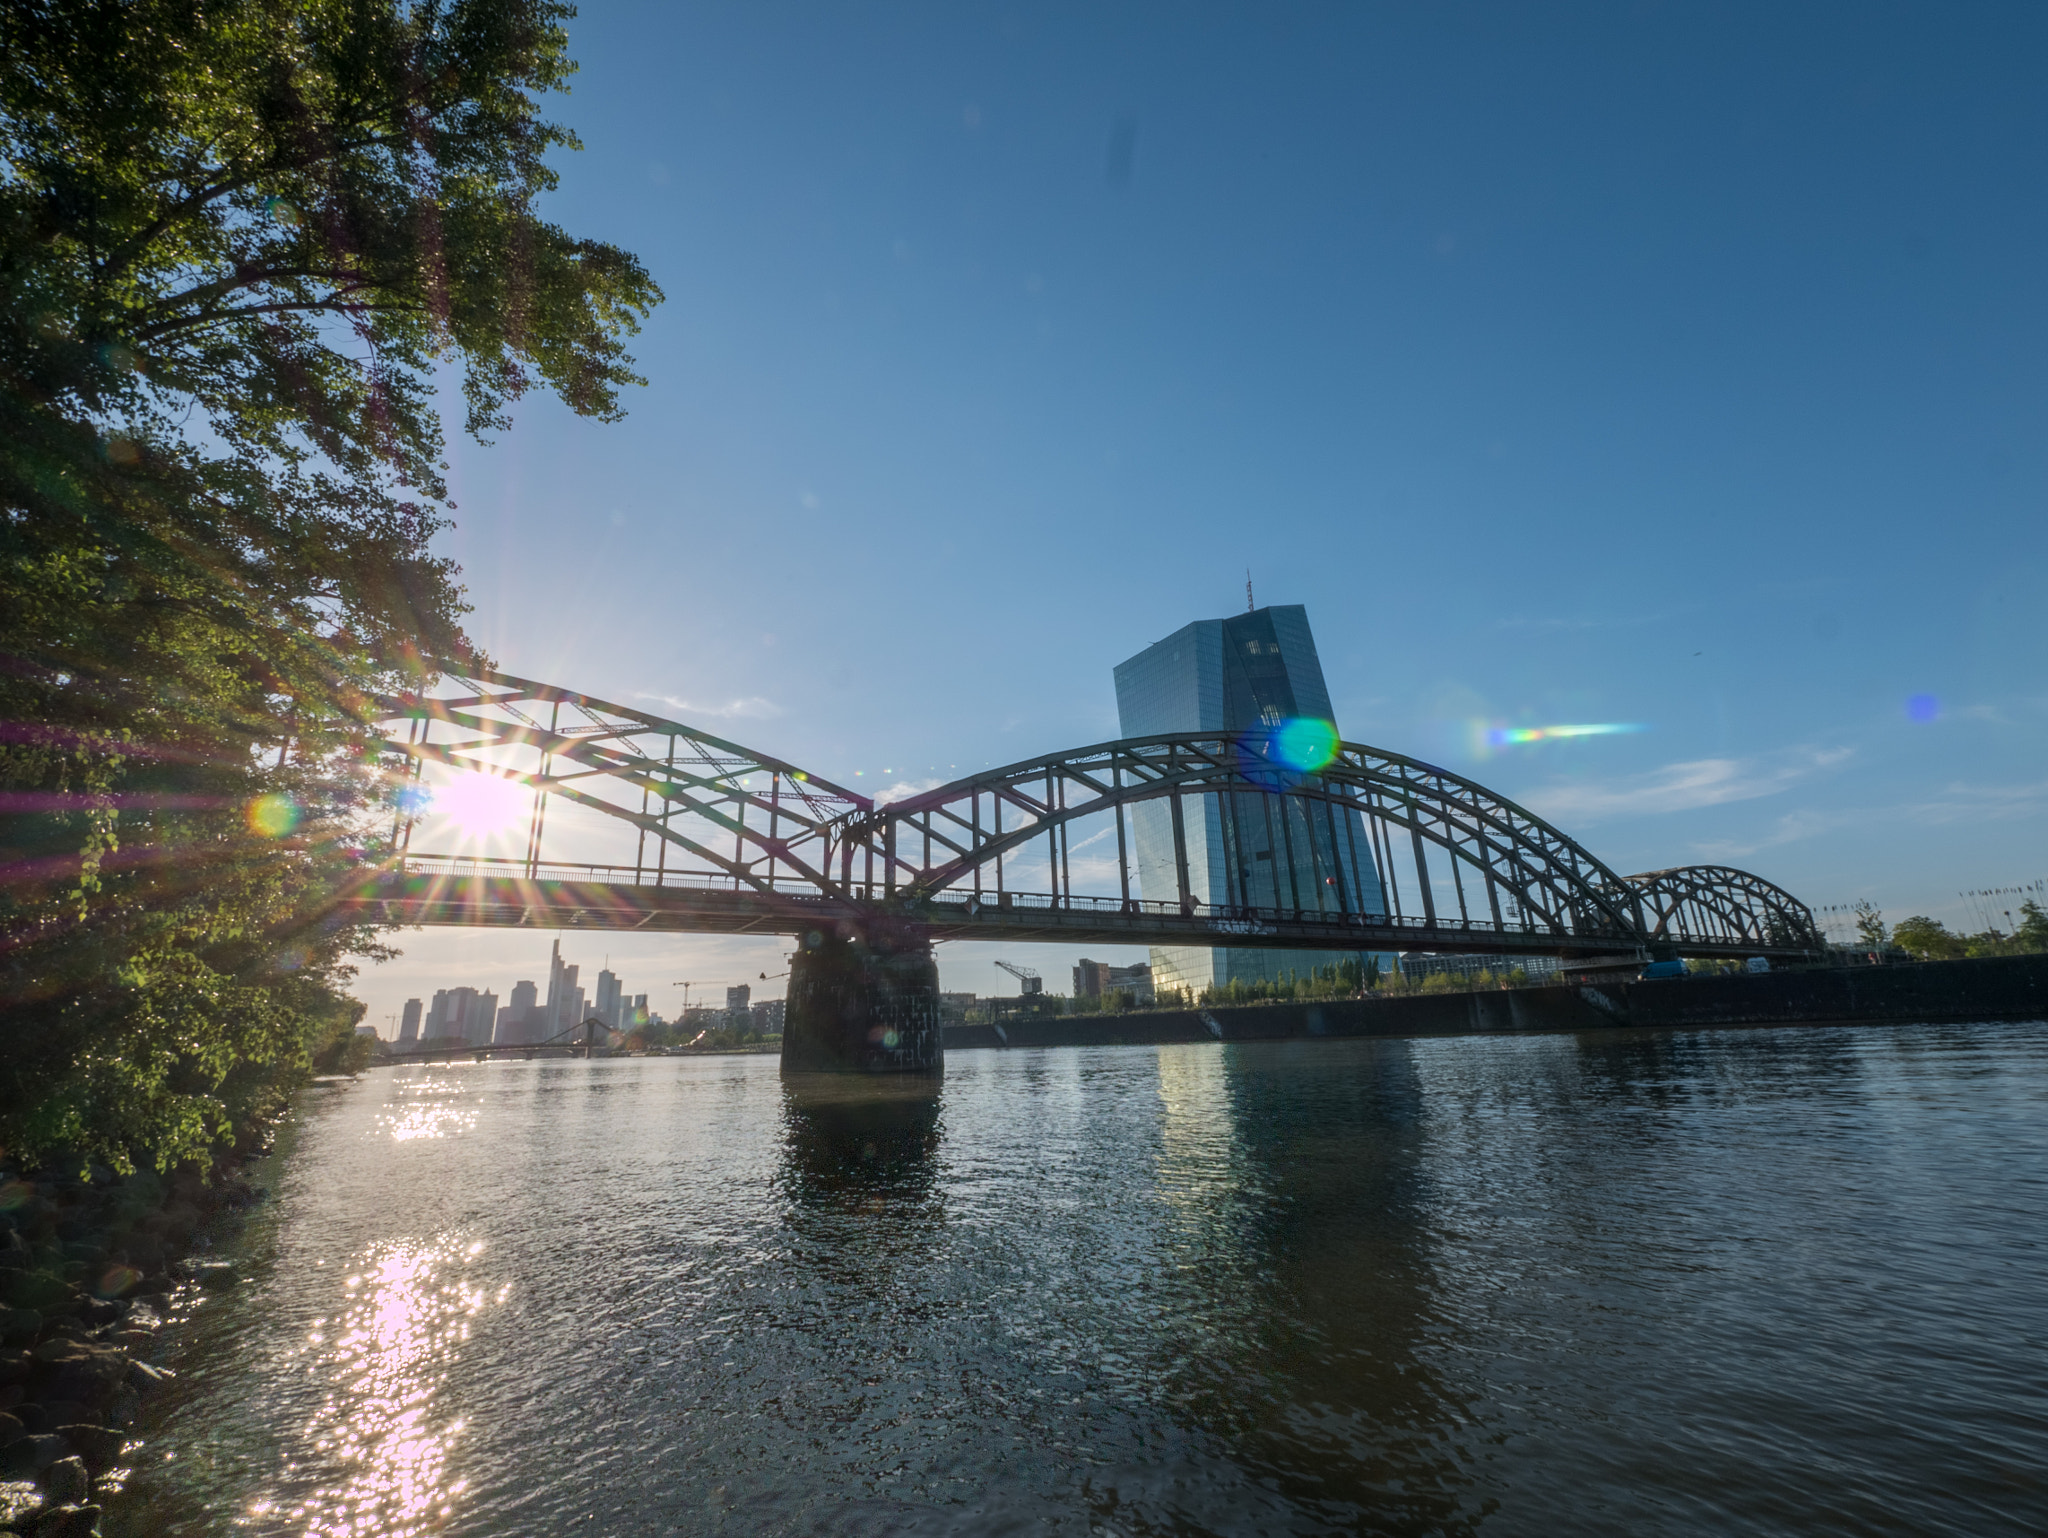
(1381, 852)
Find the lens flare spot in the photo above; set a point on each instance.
(481, 804)
(272, 816)
(1923, 707)
(1305, 744)
(1509, 736)
(117, 1280)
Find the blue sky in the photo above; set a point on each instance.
(1679, 365)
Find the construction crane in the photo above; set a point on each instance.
(1028, 980)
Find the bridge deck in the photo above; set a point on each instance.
(514, 902)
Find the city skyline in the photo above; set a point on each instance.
(528, 1017)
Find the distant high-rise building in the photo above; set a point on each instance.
(1249, 674)
(517, 1023)
(409, 1024)
(768, 1017)
(450, 1015)
(556, 1013)
(1135, 979)
(638, 1015)
(736, 999)
(480, 1020)
(609, 998)
(1092, 979)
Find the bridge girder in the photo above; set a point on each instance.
(794, 849)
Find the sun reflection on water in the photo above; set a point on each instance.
(408, 1308)
(433, 1105)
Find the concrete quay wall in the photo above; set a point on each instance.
(1994, 988)
(1985, 988)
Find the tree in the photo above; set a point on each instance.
(1870, 926)
(237, 242)
(2032, 934)
(1928, 939)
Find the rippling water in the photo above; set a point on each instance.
(1626, 1283)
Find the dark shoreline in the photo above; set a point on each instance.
(1981, 988)
(91, 1272)
(1986, 988)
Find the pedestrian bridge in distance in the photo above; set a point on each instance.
(1381, 852)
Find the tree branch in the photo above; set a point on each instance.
(332, 305)
(123, 256)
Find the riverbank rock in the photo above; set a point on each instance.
(59, 1413)
(66, 1482)
(39, 1291)
(68, 1522)
(89, 1265)
(30, 1455)
(82, 1374)
(97, 1445)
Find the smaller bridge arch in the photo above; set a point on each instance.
(1724, 906)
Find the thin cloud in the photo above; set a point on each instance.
(903, 790)
(1954, 803)
(1977, 803)
(1098, 874)
(752, 707)
(1788, 829)
(1681, 787)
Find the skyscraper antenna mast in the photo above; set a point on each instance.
(1247, 590)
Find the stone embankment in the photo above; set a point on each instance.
(90, 1271)
(1990, 988)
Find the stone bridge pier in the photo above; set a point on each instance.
(863, 998)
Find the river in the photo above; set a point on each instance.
(1773, 1281)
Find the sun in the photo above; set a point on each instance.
(481, 804)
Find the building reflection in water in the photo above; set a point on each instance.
(1304, 1334)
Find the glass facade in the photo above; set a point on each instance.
(1247, 674)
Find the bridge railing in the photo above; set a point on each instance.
(1375, 930)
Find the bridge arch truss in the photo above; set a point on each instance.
(1385, 852)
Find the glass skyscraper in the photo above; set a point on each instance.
(1245, 676)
